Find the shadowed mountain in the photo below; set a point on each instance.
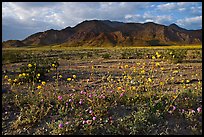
(113, 33)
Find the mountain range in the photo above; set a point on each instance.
(111, 33)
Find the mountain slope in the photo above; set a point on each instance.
(113, 33)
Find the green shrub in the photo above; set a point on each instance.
(106, 56)
(176, 55)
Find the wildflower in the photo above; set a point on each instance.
(60, 76)
(175, 71)
(89, 122)
(149, 79)
(157, 64)
(39, 92)
(66, 104)
(29, 65)
(158, 55)
(199, 109)
(121, 94)
(173, 108)
(15, 80)
(43, 82)
(69, 79)
(24, 74)
(153, 57)
(187, 81)
(9, 80)
(5, 76)
(60, 125)
(126, 66)
(90, 95)
(84, 122)
(170, 53)
(90, 111)
(53, 65)
(39, 87)
(172, 78)
(80, 102)
(94, 118)
(111, 91)
(74, 76)
(70, 100)
(119, 88)
(129, 77)
(67, 123)
(20, 75)
(59, 97)
(193, 111)
(133, 88)
(182, 110)
(143, 71)
(161, 83)
(38, 74)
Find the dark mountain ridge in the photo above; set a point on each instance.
(112, 33)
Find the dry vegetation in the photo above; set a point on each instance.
(148, 91)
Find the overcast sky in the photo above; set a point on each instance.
(21, 19)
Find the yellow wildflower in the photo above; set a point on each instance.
(158, 55)
(157, 64)
(74, 76)
(38, 74)
(174, 96)
(39, 92)
(161, 83)
(5, 76)
(60, 76)
(9, 80)
(170, 53)
(143, 71)
(20, 75)
(69, 79)
(43, 82)
(175, 71)
(187, 81)
(119, 88)
(172, 78)
(129, 77)
(126, 66)
(39, 87)
(24, 74)
(153, 57)
(133, 88)
(53, 65)
(29, 65)
(199, 82)
(15, 80)
(149, 79)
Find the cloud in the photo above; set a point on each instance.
(40, 16)
(167, 6)
(148, 17)
(189, 22)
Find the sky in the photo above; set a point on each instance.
(21, 19)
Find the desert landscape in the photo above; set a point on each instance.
(103, 77)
